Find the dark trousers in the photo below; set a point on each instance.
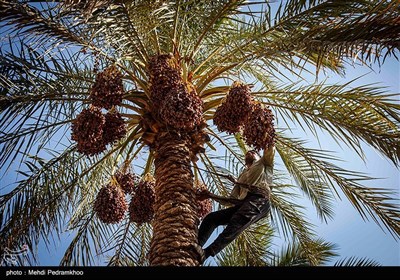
(236, 219)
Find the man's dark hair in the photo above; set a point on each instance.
(250, 157)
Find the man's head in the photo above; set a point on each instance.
(251, 157)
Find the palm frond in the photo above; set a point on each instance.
(289, 216)
(310, 182)
(132, 29)
(292, 8)
(354, 261)
(348, 114)
(331, 29)
(218, 12)
(294, 254)
(376, 203)
(68, 185)
(325, 34)
(39, 99)
(131, 245)
(36, 207)
(27, 20)
(250, 248)
(90, 233)
(290, 221)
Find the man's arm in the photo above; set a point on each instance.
(268, 156)
(204, 194)
(225, 200)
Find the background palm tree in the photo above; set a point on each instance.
(49, 57)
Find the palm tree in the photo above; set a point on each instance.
(178, 61)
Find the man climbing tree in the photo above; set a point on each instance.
(250, 197)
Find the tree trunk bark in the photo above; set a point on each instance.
(175, 222)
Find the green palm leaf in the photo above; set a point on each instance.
(249, 249)
(353, 261)
(376, 203)
(294, 254)
(349, 115)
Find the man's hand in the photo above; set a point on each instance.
(268, 156)
(231, 178)
(203, 194)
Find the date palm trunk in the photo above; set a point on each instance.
(175, 222)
